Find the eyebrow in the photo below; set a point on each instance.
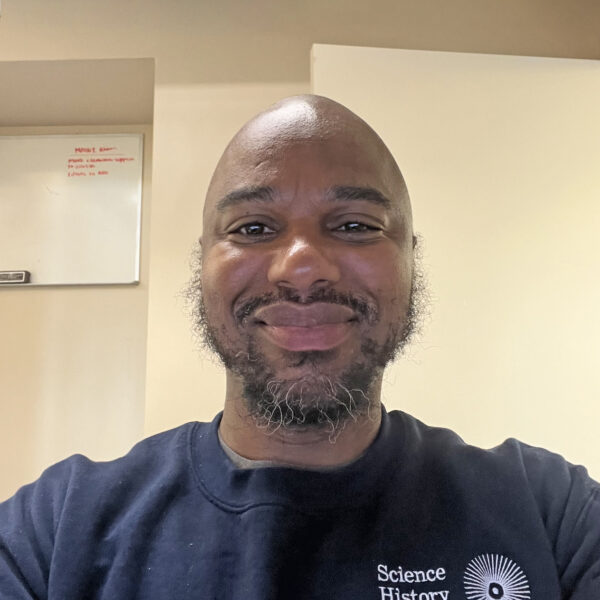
(247, 194)
(350, 192)
(336, 193)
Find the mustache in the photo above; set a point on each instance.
(364, 309)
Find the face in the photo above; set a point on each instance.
(307, 273)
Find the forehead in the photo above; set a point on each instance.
(314, 165)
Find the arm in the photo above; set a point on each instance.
(28, 522)
(578, 539)
(569, 503)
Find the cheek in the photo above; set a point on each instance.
(386, 275)
(226, 273)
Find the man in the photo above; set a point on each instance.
(305, 487)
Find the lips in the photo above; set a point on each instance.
(296, 327)
(304, 315)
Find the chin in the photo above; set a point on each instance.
(311, 361)
(311, 393)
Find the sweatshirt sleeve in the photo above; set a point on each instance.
(578, 541)
(569, 502)
(28, 523)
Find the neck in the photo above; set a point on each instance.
(306, 447)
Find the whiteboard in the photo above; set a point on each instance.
(70, 207)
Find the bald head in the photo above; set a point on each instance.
(306, 123)
(306, 117)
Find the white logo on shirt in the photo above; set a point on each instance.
(495, 577)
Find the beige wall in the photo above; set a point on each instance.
(72, 360)
(83, 351)
(504, 179)
(233, 41)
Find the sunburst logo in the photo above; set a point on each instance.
(495, 577)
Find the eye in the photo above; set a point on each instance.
(255, 229)
(357, 227)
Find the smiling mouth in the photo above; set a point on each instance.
(300, 328)
(304, 339)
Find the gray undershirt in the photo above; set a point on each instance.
(247, 463)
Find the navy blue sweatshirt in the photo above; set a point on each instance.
(420, 516)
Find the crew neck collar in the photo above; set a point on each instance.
(241, 462)
(236, 489)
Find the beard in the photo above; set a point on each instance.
(320, 399)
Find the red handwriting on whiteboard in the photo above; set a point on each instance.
(101, 157)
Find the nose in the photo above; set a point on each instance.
(304, 265)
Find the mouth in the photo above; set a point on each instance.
(301, 328)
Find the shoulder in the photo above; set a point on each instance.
(77, 478)
(540, 467)
(77, 502)
(512, 467)
(518, 478)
